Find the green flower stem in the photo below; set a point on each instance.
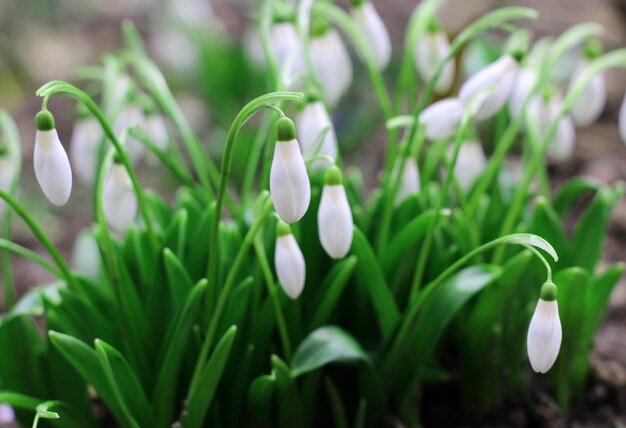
(9, 246)
(265, 31)
(271, 289)
(11, 137)
(59, 87)
(543, 260)
(417, 301)
(416, 28)
(342, 20)
(154, 81)
(304, 27)
(265, 205)
(246, 113)
(612, 59)
(64, 268)
(566, 41)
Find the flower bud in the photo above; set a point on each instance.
(289, 261)
(470, 163)
(310, 123)
(333, 67)
(431, 50)
(373, 29)
(591, 101)
(442, 118)
(545, 109)
(524, 81)
(120, 202)
(288, 52)
(334, 217)
(156, 128)
(289, 183)
(129, 116)
(52, 167)
(84, 144)
(409, 181)
(501, 76)
(544, 332)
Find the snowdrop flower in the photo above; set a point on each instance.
(7, 414)
(156, 128)
(310, 123)
(499, 74)
(591, 101)
(86, 255)
(84, 145)
(289, 261)
(544, 109)
(7, 170)
(622, 120)
(442, 118)
(334, 217)
(289, 183)
(470, 163)
(288, 51)
(544, 332)
(431, 49)
(52, 167)
(129, 116)
(120, 202)
(409, 181)
(373, 29)
(331, 61)
(525, 79)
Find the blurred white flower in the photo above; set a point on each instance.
(120, 202)
(52, 167)
(7, 169)
(84, 145)
(334, 217)
(622, 120)
(431, 49)
(470, 163)
(7, 414)
(289, 183)
(442, 118)
(289, 262)
(289, 54)
(591, 101)
(131, 115)
(409, 181)
(332, 64)
(156, 127)
(86, 255)
(501, 76)
(310, 123)
(543, 112)
(373, 29)
(524, 81)
(544, 333)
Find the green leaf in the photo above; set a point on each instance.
(336, 404)
(173, 351)
(532, 240)
(570, 192)
(197, 404)
(260, 396)
(331, 290)
(326, 345)
(370, 277)
(290, 404)
(177, 277)
(31, 303)
(131, 390)
(176, 233)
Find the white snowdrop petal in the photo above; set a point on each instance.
(591, 101)
(157, 130)
(290, 266)
(86, 255)
(120, 202)
(470, 163)
(131, 115)
(442, 118)
(409, 181)
(544, 336)
(524, 81)
(334, 220)
(429, 53)
(7, 414)
(288, 52)
(333, 67)
(501, 76)
(289, 183)
(373, 28)
(7, 169)
(311, 121)
(52, 167)
(84, 145)
(622, 120)
(561, 148)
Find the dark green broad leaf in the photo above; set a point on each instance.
(326, 345)
(288, 396)
(197, 404)
(370, 277)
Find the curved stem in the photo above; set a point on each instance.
(543, 260)
(43, 238)
(58, 87)
(7, 245)
(244, 115)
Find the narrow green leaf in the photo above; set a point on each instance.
(324, 346)
(336, 404)
(177, 277)
(290, 404)
(331, 289)
(570, 192)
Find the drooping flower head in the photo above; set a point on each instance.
(591, 101)
(120, 201)
(84, 146)
(373, 29)
(429, 53)
(334, 217)
(289, 183)
(544, 332)
(52, 167)
(310, 123)
(409, 180)
(287, 47)
(470, 164)
(442, 118)
(289, 261)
